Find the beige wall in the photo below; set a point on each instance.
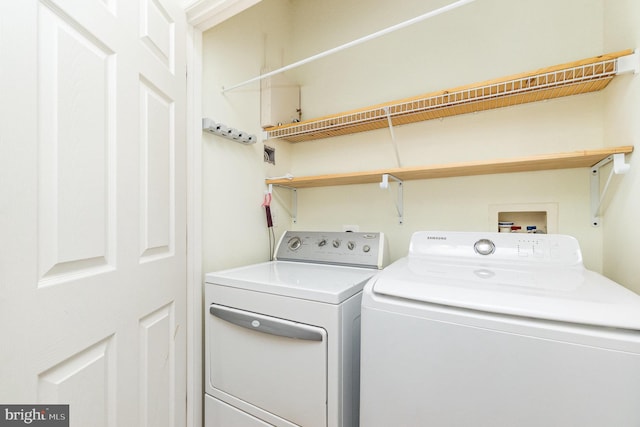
(622, 126)
(234, 225)
(480, 41)
(484, 40)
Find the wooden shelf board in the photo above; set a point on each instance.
(568, 160)
(546, 83)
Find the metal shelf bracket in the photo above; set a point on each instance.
(597, 196)
(387, 111)
(293, 213)
(384, 184)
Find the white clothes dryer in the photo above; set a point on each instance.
(282, 338)
(498, 330)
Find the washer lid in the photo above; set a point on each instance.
(569, 294)
(316, 282)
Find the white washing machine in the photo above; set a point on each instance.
(282, 343)
(498, 330)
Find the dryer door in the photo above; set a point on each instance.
(273, 364)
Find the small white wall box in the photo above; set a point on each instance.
(279, 101)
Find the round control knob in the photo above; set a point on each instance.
(484, 247)
(322, 242)
(294, 243)
(336, 243)
(366, 248)
(351, 245)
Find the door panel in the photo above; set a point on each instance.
(76, 233)
(88, 380)
(157, 30)
(157, 367)
(92, 209)
(157, 173)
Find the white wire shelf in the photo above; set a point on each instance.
(574, 78)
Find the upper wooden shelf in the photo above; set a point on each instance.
(575, 159)
(587, 75)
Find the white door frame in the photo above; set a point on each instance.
(194, 231)
(201, 16)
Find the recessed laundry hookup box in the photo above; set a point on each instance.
(523, 218)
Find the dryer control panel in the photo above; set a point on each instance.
(355, 249)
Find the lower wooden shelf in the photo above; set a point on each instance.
(567, 160)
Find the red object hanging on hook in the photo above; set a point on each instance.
(267, 207)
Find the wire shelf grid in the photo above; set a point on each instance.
(569, 81)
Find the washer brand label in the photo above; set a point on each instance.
(436, 238)
(34, 415)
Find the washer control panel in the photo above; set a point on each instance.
(332, 247)
(491, 247)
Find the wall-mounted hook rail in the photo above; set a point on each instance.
(384, 184)
(597, 196)
(219, 129)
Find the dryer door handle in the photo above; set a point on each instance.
(268, 325)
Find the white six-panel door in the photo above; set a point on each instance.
(92, 209)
